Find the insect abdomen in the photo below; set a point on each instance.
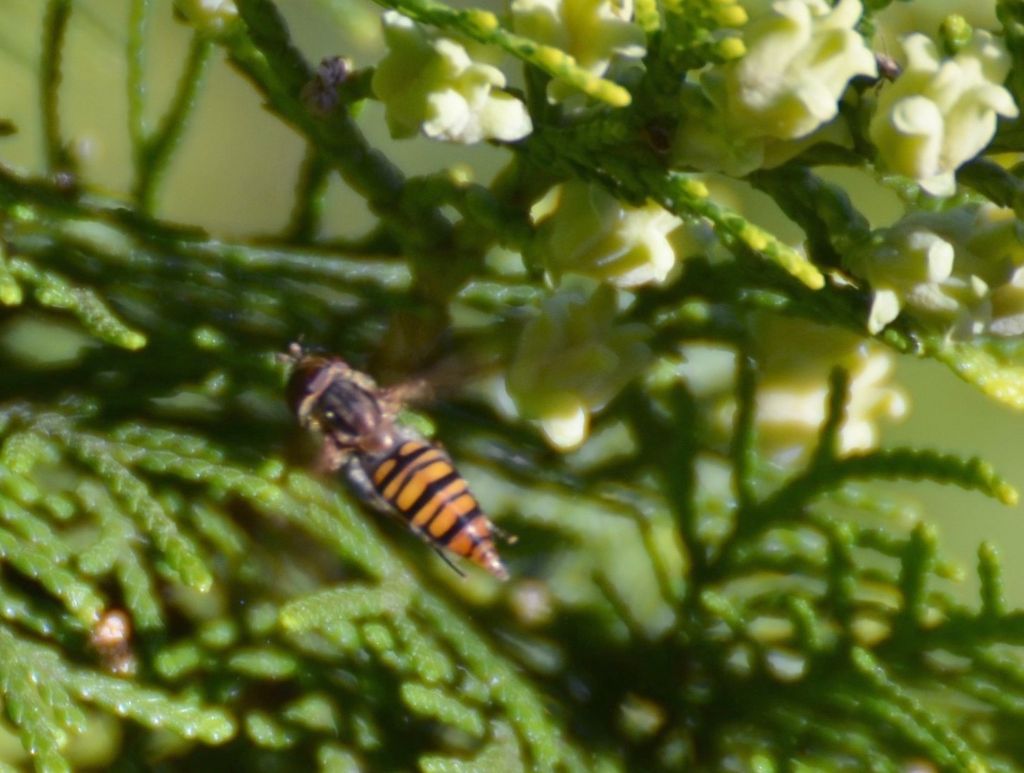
(420, 482)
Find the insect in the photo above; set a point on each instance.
(391, 467)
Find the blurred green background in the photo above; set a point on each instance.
(237, 165)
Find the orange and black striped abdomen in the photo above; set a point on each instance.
(420, 482)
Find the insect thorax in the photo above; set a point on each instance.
(327, 395)
(347, 408)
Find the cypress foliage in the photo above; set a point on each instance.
(179, 586)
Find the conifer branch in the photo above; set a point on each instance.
(692, 586)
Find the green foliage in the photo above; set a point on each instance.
(679, 600)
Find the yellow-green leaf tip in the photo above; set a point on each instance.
(485, 21)
(133, 341)
(1007, 494)
(10, 293)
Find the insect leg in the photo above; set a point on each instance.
(444, 558)
(504, 536)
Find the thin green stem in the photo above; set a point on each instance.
(58, 13)
(158, 148)
(309, 197)
(264, 54)
(135, 77)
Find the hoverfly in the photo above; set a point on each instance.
(391, 467)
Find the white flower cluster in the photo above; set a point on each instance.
(430, 83)
(572, 359)
(940, 113)
(793, 386)
(583, 229)
(961, 270)
(792, 395)
(800, 57)
(764, 107)
(448, 88)
(575, 355)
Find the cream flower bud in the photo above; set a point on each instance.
(959, 269)
(209, 15)
(938, 114)
(1007, 312)
(764, 108)
(995, 241)
(792, 397)
(593, 32)
(429, 83)
(800, 58)
(908, 269)
(793, 386)
(572, 359)
(583, 229)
